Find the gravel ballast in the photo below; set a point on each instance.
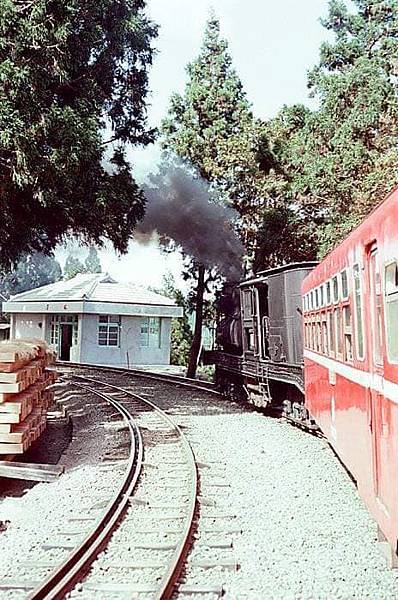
(306, 534)
(296, 523)
(37, 515)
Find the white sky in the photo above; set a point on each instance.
(272, 43)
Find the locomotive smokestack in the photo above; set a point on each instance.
(179, 207)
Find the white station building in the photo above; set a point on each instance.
(94, 319)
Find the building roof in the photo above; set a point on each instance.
(89, 293)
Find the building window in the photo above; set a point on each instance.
(391, 298)
(358, 312)
(108, 330)
(150, 332)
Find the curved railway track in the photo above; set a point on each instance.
(199, 385)
(76, 565)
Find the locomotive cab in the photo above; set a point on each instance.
(265, 364)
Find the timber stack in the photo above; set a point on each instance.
(24, 392)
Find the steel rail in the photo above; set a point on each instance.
(170, 578)
(204, 386)
(68, 573)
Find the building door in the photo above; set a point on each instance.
(376, 370)
(65, 342)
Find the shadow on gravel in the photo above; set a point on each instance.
(47, 449)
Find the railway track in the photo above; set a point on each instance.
(177, 472)
(205, 386)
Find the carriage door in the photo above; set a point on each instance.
(376, 366)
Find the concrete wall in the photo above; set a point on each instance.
(91, 352)
(28, 326)
(88, 350)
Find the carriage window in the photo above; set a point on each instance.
(391, 296)
(318, 335)
(247, 303)
(325, 334)
(376, 306)
(335, 287)
(344, 284)
(347, 327)
(337, 320)
(328, 293)
(332, 338)
(358, 311)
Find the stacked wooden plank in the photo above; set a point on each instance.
(24, 394)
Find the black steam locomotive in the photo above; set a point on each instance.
(259, 346)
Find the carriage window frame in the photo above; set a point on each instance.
(322, 296)
(338, 324)
(331, 333)
(328, 292)
(392, 360)
(325, 333)
(344, 272)
(347, 333)
(316, 298)
(359, 356)
(335, 289)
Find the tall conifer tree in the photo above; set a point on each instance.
(344, 157)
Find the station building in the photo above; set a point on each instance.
(94, 319)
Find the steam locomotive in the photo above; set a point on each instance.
(259, 338)
(321, 341)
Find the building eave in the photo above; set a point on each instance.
(89, 307)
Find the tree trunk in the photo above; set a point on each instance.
(197, 334)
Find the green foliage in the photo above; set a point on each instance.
(335, 163)
(211, 127)
(73, 266)
(283, 237)
(181, 334)
(69, 71)
(343, 158)
(92, 264)
(31, 271)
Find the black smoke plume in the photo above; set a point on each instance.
(179, 207)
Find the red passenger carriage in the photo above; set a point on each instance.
(351, 357)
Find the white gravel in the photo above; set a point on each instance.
(39, 514)
(163, 489)
(306, 533)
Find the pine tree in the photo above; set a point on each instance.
(92, 264)
(211, 126)
(69, 72)
(31, 271)
(73, 266)
(344, 158)
(181, 334)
